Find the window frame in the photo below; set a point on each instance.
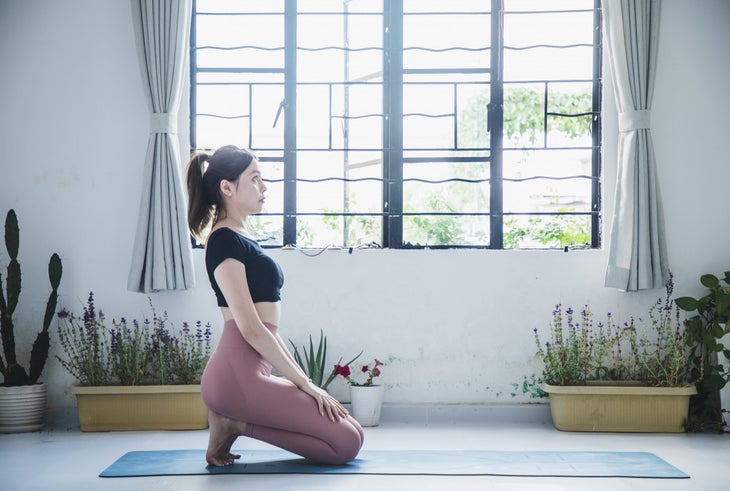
(393, 153)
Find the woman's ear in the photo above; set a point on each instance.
(226, 188)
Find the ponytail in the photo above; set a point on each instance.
(200, 210)
(205, 204)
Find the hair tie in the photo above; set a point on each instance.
(204, 160)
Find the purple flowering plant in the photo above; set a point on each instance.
(150, 352)
(650, 351)
(85, 341)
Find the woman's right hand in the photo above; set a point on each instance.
(327, 404)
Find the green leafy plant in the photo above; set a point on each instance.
(13, 373)
(705, 330)
(650, 351)
(130, 352)
(555, 231)
(314, 361)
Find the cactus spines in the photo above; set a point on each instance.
(15, 374)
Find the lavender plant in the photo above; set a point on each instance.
(84, 340)
(660, 350)
(132, 352)
(651, 351)
(179, 358)
(568, 352)
(129, 355)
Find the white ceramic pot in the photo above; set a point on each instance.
(22, 408)
(366, 404)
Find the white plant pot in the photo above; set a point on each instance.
(22, 408)
(366, 404)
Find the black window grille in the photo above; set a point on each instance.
(409, 123)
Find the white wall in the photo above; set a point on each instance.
(457, 324)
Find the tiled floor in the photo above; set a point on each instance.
(66, 459)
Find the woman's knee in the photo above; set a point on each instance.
(340, 458)
(347, 448)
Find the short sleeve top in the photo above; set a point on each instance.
(263, 274)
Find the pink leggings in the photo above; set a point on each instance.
(237, 383)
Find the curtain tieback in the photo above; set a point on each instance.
(634, 120)
(163, 123)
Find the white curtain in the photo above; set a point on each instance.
(637, 252)
(162, 257)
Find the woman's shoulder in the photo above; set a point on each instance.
(223, 235)
(220, 232)
(227, 238)
(224, 243)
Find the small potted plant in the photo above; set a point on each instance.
(22, 397)
(134, 375)
(613, 376)
(365, 395)
(314, 361)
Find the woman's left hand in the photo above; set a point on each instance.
(327, 404)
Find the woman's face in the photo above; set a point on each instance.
(248, 190)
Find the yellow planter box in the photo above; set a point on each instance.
(144, 407)
(619, 408)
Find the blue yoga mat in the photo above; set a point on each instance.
(404, 462)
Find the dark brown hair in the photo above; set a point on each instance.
(205, 204)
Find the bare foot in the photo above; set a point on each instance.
(230, 444)
(223, 432)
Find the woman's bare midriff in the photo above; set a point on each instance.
(269, 312)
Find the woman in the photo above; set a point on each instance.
(242, 396)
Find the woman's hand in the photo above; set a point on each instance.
(326, 403)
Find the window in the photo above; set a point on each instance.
(408, 123)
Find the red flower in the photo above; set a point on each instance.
(344, 371)
(364, 369)
(378, 363)
(376, 372)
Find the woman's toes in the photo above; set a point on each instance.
(219, 462)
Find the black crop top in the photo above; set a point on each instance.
(263, 275)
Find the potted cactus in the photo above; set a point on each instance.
(22, 397)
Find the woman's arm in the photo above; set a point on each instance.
(231, 278)
(288, 352)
